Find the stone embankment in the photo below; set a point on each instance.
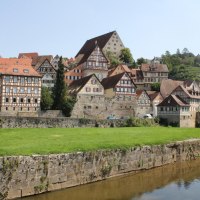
(57, 122)
(29, 175)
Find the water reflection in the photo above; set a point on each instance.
(174, 182)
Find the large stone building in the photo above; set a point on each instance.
(189, 93)
(173, 110)
(120, 94)
(20, 87)
(109, 42)
(90, 100)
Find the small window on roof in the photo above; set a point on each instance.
(15, 70)
(26, 71)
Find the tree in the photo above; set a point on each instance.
(126, 56)
(114, 61)
(155, 87)
(141, 61)
(185, 51)
(46, 99)
(59, 90)
(68, 106)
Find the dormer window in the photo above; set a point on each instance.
(26, 71)
(15, 70)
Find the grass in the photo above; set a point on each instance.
(62, 140)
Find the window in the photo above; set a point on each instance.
(29, 80)
(36, 100)
(7, 100)
(26, 71)
(7, 79)
(15, 70)
(22, 90)
(93, 81)
(15, 79)
(37, 80)
(6, 108)
(22, 79)
(29, 100)
(7, 89)
(29, 90)
(15, 90)
(88, 89)
(21, 100)
(36, 90)
(14, 100)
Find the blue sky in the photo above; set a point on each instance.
(147, 27)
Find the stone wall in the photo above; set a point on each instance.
(28, 175)
(57, 122)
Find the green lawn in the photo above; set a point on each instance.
(60, 140)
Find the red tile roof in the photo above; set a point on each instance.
(28, 55)
(167, 86)
(18, 67)
(157, 67)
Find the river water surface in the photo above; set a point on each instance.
(179, 181)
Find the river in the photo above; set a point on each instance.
(180, 181)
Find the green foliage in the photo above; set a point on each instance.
(182, 65)
(62, 140)
(155, 87)
(68, 106)
(139, 122)
(46, 99)
(126, 56)
(141, 61)
(59, 90)
(114, 61)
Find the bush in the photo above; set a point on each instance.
(138, 122)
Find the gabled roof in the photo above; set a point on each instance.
(167, 86)
(187, 93)
(38, 66)
(40, 60)
(80, 83)
(28, 55)
(156, 66)
(153, 94)
(137, 73)
(17, 67)
(87, 54)
(90, 44)
(139, 92)
(173, 100)
(125, 68)
(111, 82)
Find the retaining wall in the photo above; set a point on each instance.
(28, 175)
(58, 122)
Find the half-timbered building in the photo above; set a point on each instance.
(48, 72)
(20, 87)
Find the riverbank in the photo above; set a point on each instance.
(29, 175)
(61, 140)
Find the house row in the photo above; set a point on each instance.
(112, 97)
